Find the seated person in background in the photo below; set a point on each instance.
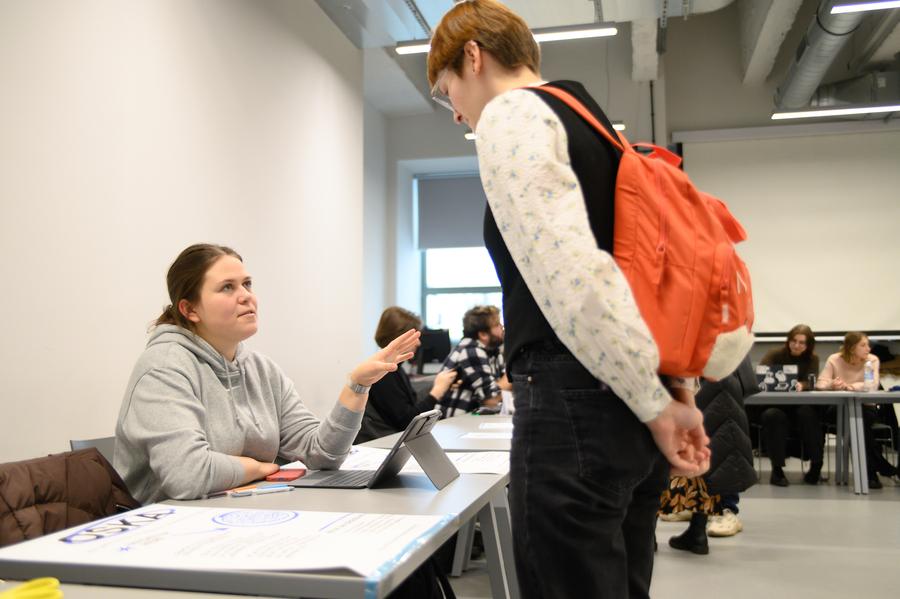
(778, 421)
(202, 413)
(845, 371)
(392, 400)
(478, 360)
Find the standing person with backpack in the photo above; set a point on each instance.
(595, 429)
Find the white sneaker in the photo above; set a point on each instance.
(682, 516)
(725, 525)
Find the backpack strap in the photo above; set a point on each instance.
(616, 138)
(664, 154)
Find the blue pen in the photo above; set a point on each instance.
(262, 490)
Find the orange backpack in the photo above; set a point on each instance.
(675, 245)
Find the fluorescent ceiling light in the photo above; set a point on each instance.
(549, 34)
(470, 136)
(840, 9)
(573, 33)
(823, 112)
(618, 125)
(412, 48)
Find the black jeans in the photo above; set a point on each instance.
(585, 480)
(777, 423)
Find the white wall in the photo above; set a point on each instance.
(821, 215)
(376, 226)
(132, 128)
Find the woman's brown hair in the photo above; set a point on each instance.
(492, 26)
(801, 329)
(394, 322)
(851, 339)
(185, 278)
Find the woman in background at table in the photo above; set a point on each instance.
(778, 421)
(845, 371)
(203, 413)
(393, 402)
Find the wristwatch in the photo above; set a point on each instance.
(356, 387)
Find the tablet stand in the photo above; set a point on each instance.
(431, 457)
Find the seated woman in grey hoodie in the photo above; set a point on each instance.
(203, 413)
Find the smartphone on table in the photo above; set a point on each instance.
(286, 475)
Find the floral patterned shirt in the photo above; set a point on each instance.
(540, 211)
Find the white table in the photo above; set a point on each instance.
(851, 445)
(470, 496)
(450, 434)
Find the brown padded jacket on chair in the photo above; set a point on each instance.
(48, 494)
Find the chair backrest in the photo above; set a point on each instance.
(105, 445)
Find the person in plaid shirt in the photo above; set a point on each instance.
(478, 361)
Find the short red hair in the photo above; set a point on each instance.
(494, 27)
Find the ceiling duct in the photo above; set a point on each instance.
(871, 88)
(826, 35)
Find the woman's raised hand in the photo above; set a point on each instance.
(386, 360)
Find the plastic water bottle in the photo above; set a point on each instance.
(869, 377)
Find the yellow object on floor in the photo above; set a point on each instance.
(38, 588)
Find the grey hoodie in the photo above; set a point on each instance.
(188, 412)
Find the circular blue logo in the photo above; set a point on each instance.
(254, 518)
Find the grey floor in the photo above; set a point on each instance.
(800, 541)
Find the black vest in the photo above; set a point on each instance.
(595, 163)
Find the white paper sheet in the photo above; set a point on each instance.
(471, 462)
(198, 538)
(360, 458)
(487, 436)
(364, 458)
(498, 426)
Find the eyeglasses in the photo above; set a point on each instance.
(438, 96)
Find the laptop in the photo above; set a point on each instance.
(777, 377)
(415, 441)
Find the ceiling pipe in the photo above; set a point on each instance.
(826, 35)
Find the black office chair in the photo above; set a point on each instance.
(883, 434)
(759, 453)
(435, 347)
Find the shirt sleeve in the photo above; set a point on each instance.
(540, 211)
(826, 376)
(396, 401)
(478, 375)
(318, 444)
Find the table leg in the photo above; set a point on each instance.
(464, 539)
(493, 551)
(840, 442)
(504, 531)
(861, 447)
(855, 429)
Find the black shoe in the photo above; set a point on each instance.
(813, 475)
(875, 482)
(778, 478)
(693, 543)
(694, 538)
(477, 546)
(885, 468)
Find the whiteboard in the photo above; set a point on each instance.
(822, 214)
